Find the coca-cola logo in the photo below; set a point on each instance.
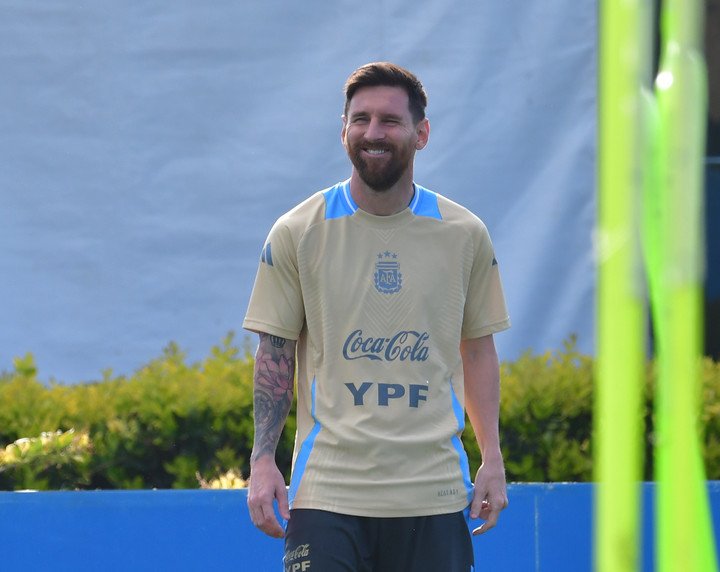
(406, 345)
(301, 551)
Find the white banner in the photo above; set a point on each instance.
(147, 148)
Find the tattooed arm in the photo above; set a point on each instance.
(273, 392)
(272, 397)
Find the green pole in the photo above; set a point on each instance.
(624, 66)
(675, 244)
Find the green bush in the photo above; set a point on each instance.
(546, 417)
(51, 460)
(176, 425)
(154, 429)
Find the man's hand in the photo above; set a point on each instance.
(267, 485)
(490, 495)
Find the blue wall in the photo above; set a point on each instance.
(546, 527)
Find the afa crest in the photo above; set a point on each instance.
(388, 278)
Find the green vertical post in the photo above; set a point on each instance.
(675, 243)
(621, 316)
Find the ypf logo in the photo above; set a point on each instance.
(388, 278)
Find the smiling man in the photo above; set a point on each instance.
(381, 135)
(386, 296)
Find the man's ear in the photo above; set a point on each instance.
(344, 129)
(423, 134)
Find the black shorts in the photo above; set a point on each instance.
(321, 541)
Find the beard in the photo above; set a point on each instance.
(380, 174)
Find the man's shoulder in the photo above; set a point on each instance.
(453, 212)
(305, 213)
(305, 209)
(315, 207)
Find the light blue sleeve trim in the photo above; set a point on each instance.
(339, 201)
(266, 256)
(457, 443)
(304, 454)
(425, 203)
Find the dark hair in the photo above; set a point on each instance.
(388, 74)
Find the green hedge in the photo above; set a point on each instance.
(158, 428)
(175, 425)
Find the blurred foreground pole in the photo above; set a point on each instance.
(675, 253)
(624, 66)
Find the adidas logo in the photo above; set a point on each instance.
(266, 255)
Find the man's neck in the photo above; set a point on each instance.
(382, 203)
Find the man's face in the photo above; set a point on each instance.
(380, 136)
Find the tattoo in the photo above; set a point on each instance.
(273, 391)
(277, 341)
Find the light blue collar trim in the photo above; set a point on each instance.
(425, 203)
(339, 202)
(348, 197)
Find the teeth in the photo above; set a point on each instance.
(376, 151)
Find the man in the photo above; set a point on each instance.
(389, 296)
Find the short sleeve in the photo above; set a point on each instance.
(276, 303)
(485, 308)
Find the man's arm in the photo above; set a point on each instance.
(482, 402)
(272, 397)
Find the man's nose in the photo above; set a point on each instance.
(375, 130)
